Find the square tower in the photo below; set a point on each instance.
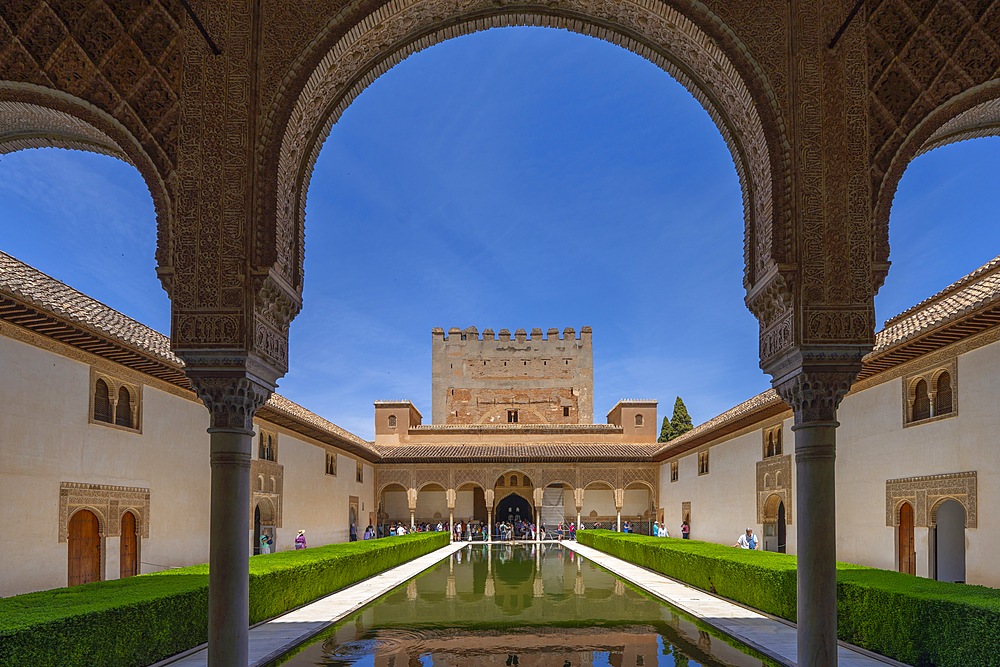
(496, 379)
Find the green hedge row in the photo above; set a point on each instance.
(911, 619)
(139, 620)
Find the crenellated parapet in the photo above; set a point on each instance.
(545, 377)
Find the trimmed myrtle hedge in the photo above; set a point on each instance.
(911, 619)
(139, 620)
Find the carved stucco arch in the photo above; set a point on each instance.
(972, 114)
(388, 486)
(932, 522)
(102, 520)
(32, 116)
(682, 37)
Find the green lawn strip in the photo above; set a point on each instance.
(911, 619)
(143, 619)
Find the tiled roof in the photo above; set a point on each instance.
(517, 452)
(966, 295)
(764, 403)
(46, 294)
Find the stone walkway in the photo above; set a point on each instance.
(276, 637)
(772, 637)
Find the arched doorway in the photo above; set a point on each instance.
(84, 548)
(774, 524)
(949, 542)
(904, 540)
(514, 508)
(263, 524)
(129, 546)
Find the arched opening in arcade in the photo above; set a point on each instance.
(393, 508)
(775, 524)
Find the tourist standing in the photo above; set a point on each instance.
(265, 544)
(353, 535)
(685, 530)
(300, 540)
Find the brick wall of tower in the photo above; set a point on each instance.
(483, 379)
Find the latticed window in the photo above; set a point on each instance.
(102, 402)
(772, 442)
(921, 401)
(361, 472)
(638, 420)
(123, 410)
(674, 471)
(392, 421)
(331, 464)
(703, 463)
(513, 480)
(942, 398)
(266, 447)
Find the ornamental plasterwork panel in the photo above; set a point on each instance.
(107, 502)
(439, 476)
(267, 482)
(926, 493)
(484, 477)
(774, 478)
(115, 383)
(401, 476)
(401, 27)
(604, 474)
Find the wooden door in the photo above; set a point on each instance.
(84, 548)
(907, 550)
(782, 529)
(129, 547)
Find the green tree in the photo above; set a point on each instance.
(680, 423)
(665, 431)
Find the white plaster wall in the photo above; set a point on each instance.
(395, 505)
(873, 447)
(723, 502)
(46, 439)
(430, 501)
(597, 499)
(637, 502)
(316, 502)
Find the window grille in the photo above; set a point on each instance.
(102, 402)
(942, 398)
(921, 401)
(123, 410)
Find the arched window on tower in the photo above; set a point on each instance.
(638, 420)
(123, 409)
(942, 397)
(392, 421)
(102, 402)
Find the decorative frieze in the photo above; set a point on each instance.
(108, 503)
(774, 478)
(926, 493)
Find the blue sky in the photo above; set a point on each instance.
(515, 178)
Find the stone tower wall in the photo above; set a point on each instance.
(479, 379)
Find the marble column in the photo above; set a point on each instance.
(232, 396)
(814, 396)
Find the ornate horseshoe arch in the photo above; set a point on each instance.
(748, 118)
(33, 116)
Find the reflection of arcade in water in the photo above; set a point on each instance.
(534, 605)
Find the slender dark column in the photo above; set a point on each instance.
(232, 397)
(814, 396)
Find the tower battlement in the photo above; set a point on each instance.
(499, 377)
(520, 335)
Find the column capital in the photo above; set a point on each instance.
(817, 380)
(231, 386)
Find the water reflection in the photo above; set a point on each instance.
(533, 605)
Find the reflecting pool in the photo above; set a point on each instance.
(530, 605)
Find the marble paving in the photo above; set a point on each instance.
(276, 637)
(772, 637)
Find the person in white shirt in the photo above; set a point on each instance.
(747, 540)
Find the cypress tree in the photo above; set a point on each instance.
(680, 423)
(665, 431)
